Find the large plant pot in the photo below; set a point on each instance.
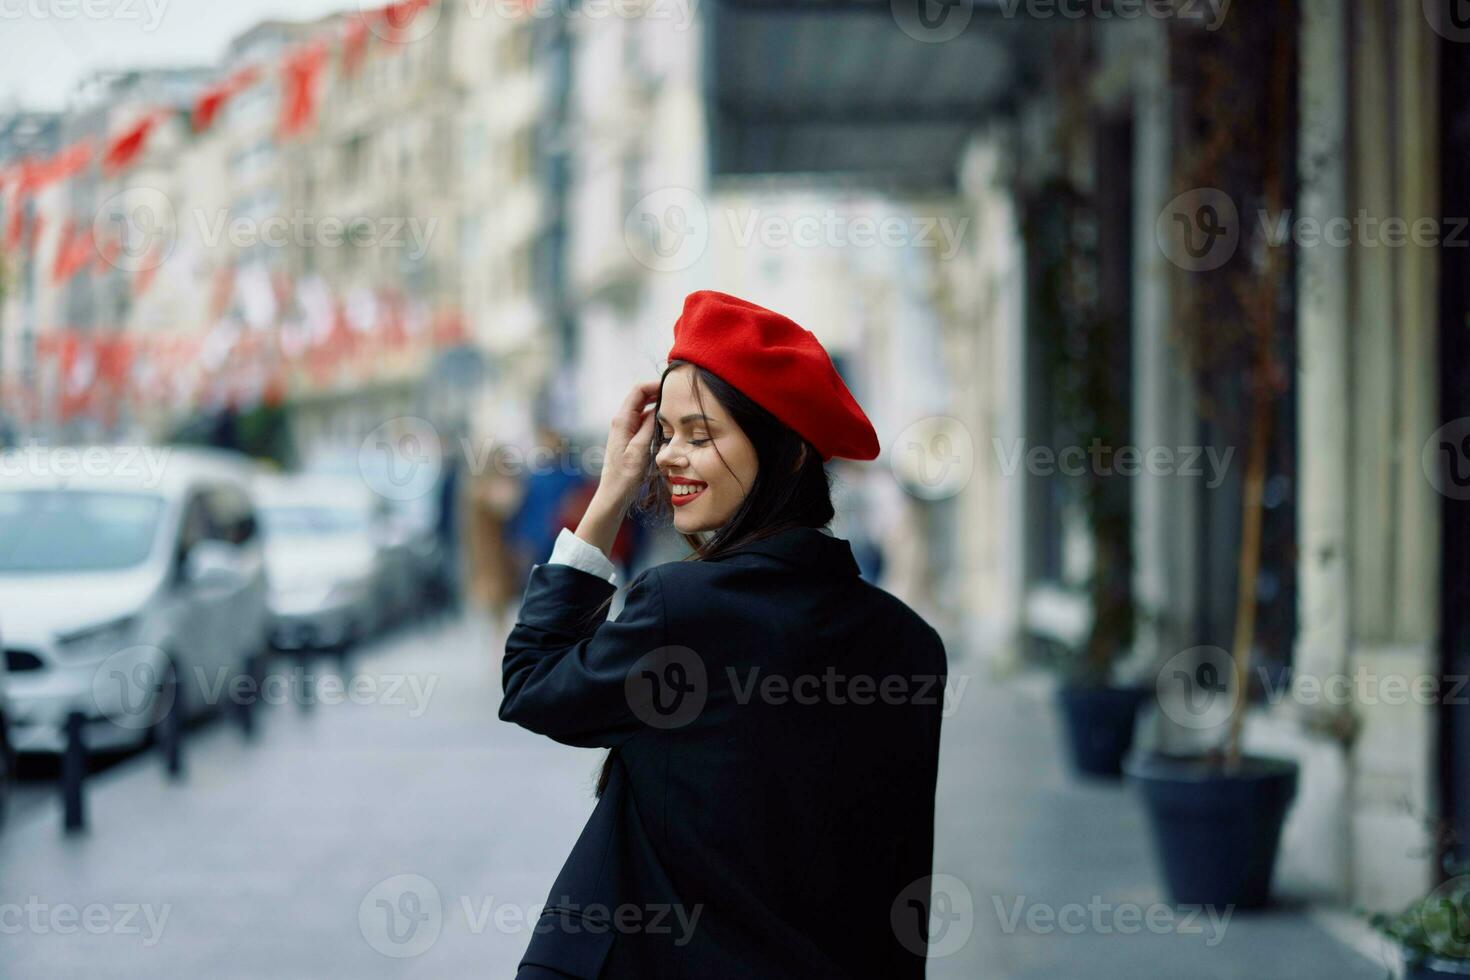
(1436, 967)
(1099, 725)
(1215, 835)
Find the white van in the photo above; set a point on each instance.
(132, 579)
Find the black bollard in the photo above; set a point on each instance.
(171, 736)
(73, 773)
(245, 707)
(304, 692)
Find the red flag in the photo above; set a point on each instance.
(107, 253)
(78, 368)
(221, 291)
(342, 340)
(392, 331)
(15, 225)
(15, 203)
(148, 271)
(213, 98)
(126, 147)
(37, 175)
(38, 221)
(449, 327)
(71, 160)
(275, 391)
(114, 358)
(301, 72)
(74, 250)
(354, 45)
(17, 177)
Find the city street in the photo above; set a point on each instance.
(404, 831)
(1123, 343)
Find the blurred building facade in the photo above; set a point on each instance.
(1352, 580)
(22, 134)
(251, 264)
(507, 212)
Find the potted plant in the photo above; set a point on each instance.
(1081, 351)
(1078, 351)
(1433, 933)
(1217, 816)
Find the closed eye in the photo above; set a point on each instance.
(662, 438)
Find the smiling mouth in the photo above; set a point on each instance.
(679, 492)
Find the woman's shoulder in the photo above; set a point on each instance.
(695, 584)
(672, 574)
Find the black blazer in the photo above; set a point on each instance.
(770, 813)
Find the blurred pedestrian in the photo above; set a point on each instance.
(857, 517)
(495, 580)
(549, 478)
(626, 544)
(448, 521)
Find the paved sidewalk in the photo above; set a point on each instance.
(282, 859)
(1029, 839)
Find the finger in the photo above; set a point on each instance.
(632, 419)
(644, 436)
(639, 395)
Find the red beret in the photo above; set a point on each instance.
(779, 366)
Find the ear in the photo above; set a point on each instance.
(800, 460)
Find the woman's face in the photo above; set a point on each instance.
(687, 436)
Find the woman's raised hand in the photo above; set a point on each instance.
(623, 467)
(628, 440)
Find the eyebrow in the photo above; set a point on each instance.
(690, 418)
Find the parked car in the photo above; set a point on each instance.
(132, 583)
(327, 566)
(405, 528)
(422, 553)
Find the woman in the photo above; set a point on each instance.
(767, 809)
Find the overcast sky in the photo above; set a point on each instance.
(46, 46)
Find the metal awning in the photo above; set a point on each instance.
(887, 89)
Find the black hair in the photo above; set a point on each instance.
(792, 487)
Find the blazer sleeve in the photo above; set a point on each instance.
(566, 665)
